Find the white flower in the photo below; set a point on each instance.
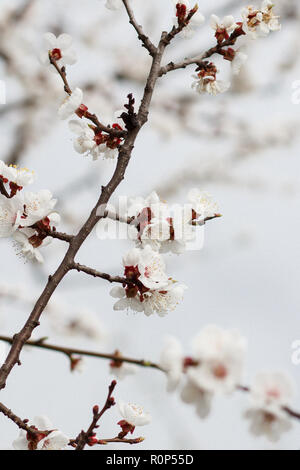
(196, 20)
(157, 230)
(124, 302)
(149, 289)
(153, 301)
(153, 202)
(269, 394)
(260, 22)
(133, 414)
(25, 244)
(227, 24)
(10, 215)
(209, 85)
(81, 323)
(20, 176)
(132, 258)
(107, 152)
(95, 143)
(151, 267)
(113, 4)
(70, 104)
(171, 361)
(220, 356)
(165, 300)
(37, 206)
(270, 20)
(60, 48)
(192, 394)
(202, 203)
(239, 60)
(55, 440)
(85, 141)
(157, 226)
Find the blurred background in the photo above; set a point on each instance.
(242, 147)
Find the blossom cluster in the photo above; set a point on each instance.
(216, 367)
(147, 288)
(46, 437)
(255, 23)
(26, 217)
(90, 139)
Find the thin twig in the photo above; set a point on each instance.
(67, 264)
(59, 235)
(118, 440)
(40, 343)
(91, 117)
(141, 35)
(22, 424)
(196, 60)
(93, 272)
(84, 437)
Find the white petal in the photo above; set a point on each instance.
(69, 57)
(214, 21)
(64, 41)
(117, 292)
(50, 41)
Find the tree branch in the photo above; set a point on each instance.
(141, 35)
(59, 235)
(124, 156)
(118, 440)
(22, 424)
(198, 59)
(91, 117)
(93, 272)
(83, 439)
(40, 343)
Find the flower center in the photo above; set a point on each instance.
(273, 393)
(220, 371)
(56, 54)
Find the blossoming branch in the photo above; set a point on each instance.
(146, 285)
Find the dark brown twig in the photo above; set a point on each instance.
(67, 264)
(69, 352)
(197, 59)
(59, 235)
(118, 440)
(83, 439)
(22, 424)
(141, 35)
(91, 117)
(93, 272)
